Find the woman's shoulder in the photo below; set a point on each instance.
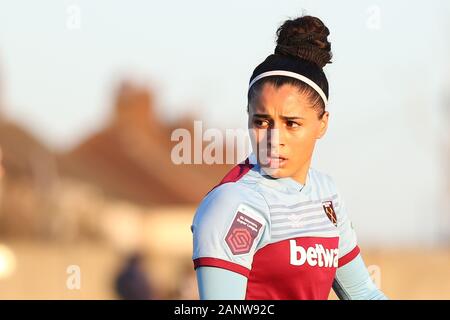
(231, 192)
(228, 197)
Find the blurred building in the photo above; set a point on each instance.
(118, 190)
(129, 160)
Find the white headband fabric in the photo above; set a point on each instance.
(291, 74)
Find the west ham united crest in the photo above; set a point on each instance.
(329, 210)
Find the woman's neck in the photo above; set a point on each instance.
(302, 173)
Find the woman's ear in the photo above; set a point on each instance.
(323, 125)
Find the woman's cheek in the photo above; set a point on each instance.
(301, 144)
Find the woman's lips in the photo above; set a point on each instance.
(276, 162)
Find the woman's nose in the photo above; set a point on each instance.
(276, 136)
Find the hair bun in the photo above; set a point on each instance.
(305, 38)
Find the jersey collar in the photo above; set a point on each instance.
(286, 183)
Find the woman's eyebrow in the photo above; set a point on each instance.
(266, 116)
(260, 115)
(292, 118)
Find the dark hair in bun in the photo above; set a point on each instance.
(302, 47)
(305, 38)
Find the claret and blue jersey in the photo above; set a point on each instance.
(288, 239)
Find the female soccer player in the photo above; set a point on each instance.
(275, 228)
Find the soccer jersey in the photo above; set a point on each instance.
(288, 239)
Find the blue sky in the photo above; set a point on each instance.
(387, 82)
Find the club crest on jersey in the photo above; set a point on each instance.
(242, 233)
(329, 210)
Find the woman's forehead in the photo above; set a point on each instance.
(283, 101)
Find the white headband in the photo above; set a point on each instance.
(300, 77)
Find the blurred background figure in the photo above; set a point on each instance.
(132, 282)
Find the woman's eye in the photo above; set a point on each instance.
(292, 124)
(261, 123)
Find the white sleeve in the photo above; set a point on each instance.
(353, 282)
(228, 227)
(220, 284)
(348, 246)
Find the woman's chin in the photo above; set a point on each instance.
(275, 172)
